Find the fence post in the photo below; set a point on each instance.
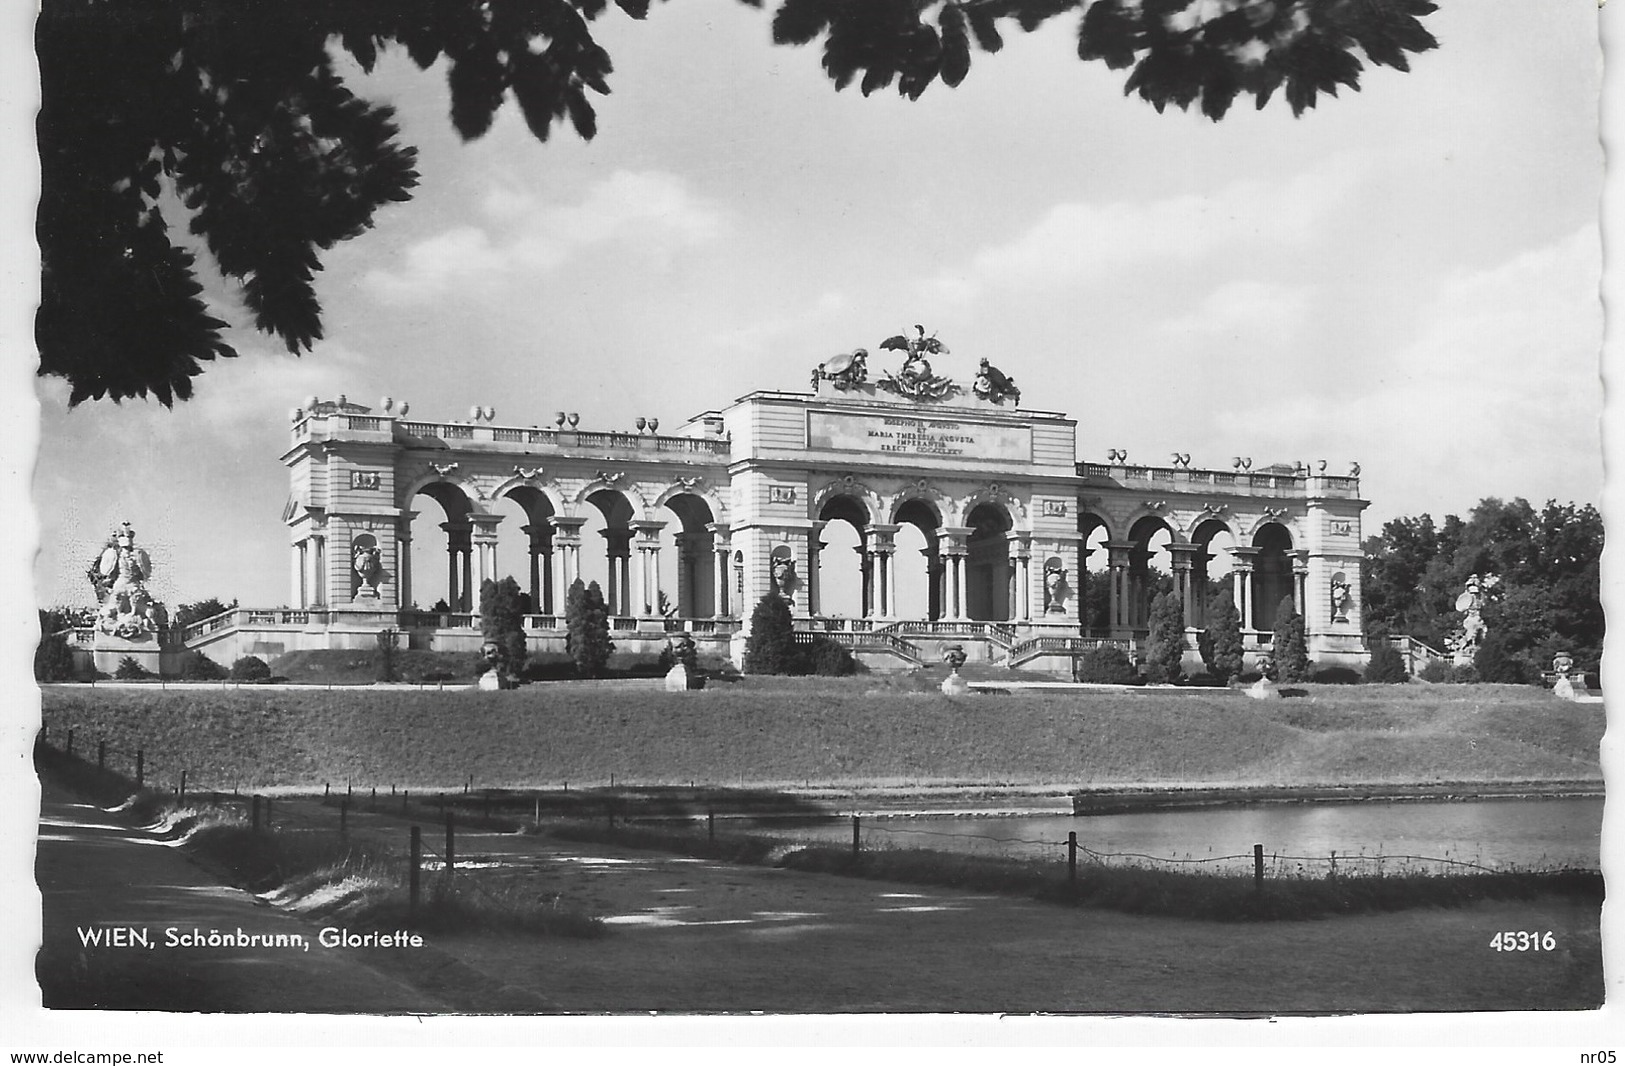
(373, 806)
(254, 814)
(183, 784)
(404, 794)
(451, 844)
(327, 789)
(140, 768)
(1072, 859)
(1258, 867)
(101, 754)
(412, 872)
(854, 836)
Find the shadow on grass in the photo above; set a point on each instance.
(317, 873)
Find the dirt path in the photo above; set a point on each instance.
(97, 875)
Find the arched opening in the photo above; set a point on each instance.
(1272, 573)
(609, 521)
(1094, 579)
(987, 563)
(1150, 567)
(843, 566)
(525, 547)
(688, 568)
(1211, 565)
(918, 561)
(441, 570)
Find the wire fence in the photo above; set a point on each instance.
(506, 809)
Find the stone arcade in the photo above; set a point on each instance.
(898, 516)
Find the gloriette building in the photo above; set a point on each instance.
(896, 512)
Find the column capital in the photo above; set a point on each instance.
(567, 524)
(648, 528)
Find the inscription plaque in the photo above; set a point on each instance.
(922, 437)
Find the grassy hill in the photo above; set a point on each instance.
(837, 733)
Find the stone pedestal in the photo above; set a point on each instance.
(954, 685)
(491, 681)
(108, 651)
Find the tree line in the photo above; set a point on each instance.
(1547, 597)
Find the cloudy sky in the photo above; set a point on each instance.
(1407, 276)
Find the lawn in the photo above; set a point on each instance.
(838, 733)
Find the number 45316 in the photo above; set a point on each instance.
(1523, 941)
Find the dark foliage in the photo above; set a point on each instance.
(502, 622)
(1165, 644)
(385, 655)
(250, 668)
(230, 114)
(1386, 666)
(1549, 594)
(826, 658)
(1336, 675)
(586, 621)
(199, 667)
(53, 659)
(187, 613)
(131, 670)
(771, 646)
(1222, 649)
(1498, 663)
(1236, 49)
(1288, 648)
(1105, 666)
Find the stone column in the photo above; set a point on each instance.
(815, 547)
(1243, 557)
(1020, 579)
(616, 552)
(1117, 563)
(567, 547)
(1183, 587)
(961, 597)
(301, 597)
(866, 572)
(403, 561)
(952, 542)
(1300, 575)
(719, 576)
(537, 535)
(318, 585)
(648, 586)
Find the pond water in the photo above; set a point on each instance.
(1392, 836)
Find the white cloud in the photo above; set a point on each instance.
(1075, 243)
(651, 211)
(1499, 393)
(752, 338)
(261, 384)
(1241, 309)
